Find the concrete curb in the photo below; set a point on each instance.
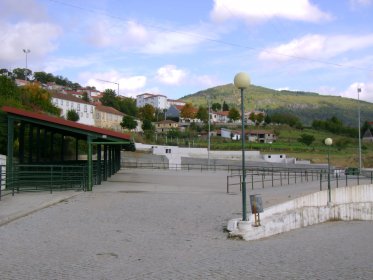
(28, 211)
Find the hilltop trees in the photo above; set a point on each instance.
(336, 126)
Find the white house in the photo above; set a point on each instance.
(68, 102)
(219, 117)
(157, 101)
(230, 134)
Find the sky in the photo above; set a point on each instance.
(176, 48)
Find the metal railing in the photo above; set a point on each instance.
(26, 177)
(271, 176)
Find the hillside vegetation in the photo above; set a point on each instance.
(308, 106)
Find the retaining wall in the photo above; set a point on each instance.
(349, 203)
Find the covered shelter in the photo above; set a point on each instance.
(44, 150)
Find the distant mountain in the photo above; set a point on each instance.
(308, 106)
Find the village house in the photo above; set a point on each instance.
(165, 126)
(108, 117)
(260, 136)
(68, 102)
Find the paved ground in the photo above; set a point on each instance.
(147, 224)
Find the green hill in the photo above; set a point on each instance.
(308, 106)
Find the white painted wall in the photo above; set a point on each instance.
(348, 203)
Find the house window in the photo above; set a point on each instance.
(78, 107)
(61, 102)
(280, 156)
(269, 156)
(85, 108)
(168, 151)
(91, 109)
(97, 115)
(67, 103)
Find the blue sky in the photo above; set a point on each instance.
(177, 48)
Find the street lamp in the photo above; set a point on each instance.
(359, 127)
(328, 142)
(209, 133)
(26, 51)
(110, 83)
(242, 81)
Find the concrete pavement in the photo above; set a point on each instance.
(156, 224)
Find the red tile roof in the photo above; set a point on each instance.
(63, 122)
(69, 97)
(107, 109)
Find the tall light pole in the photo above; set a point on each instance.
(26, 51)
(209, 133)
(328, 142)
(359, 126)
(242, 82)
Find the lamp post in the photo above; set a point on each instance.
(110, 83)
(328, 142)
(242, 81)
(209, 133)
(26, 51)
(359, 126)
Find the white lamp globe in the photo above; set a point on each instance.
(241, 80)
(328, 141)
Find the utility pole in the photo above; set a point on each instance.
(359, 126)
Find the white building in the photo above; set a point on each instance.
(68, 102)
(157, 101)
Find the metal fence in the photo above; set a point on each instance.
(26, 177)
(271, 177)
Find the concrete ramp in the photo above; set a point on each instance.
(349, 203)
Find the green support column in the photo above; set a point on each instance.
(90, 165)
(38, 144)
(99, 175)
(76, 148)
(44, 146)
(62, 147)
(105, 162)
(21, 149)
(30, 142)
(9, 158)
(52, 147)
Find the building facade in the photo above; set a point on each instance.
(68, 102)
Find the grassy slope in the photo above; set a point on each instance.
(306, 105)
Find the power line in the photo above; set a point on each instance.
(236, 45)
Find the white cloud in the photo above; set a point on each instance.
(207, 81)
(133, 36)
(40, 38)
(264, 10)
(104, 80)
(365, 94)
(171, 75)
(28, 9)
(317, 47)
(360, 3)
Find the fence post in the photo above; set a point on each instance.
(320, 180)
(272, 176)
(228, 184)
(252, 181)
